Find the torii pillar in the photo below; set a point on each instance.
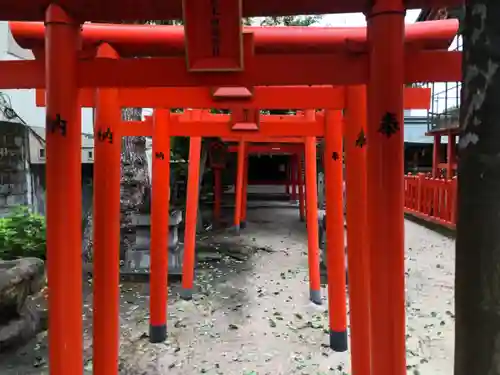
(385, 194)
(64, 193)
(106, 216)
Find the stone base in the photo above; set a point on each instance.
(137, 260)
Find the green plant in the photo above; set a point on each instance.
(22, 234)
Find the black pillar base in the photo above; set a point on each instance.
(315, 297)
(186, 294)
(338, 341)
(157, 334)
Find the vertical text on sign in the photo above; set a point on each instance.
(215, 28)
(213, 43)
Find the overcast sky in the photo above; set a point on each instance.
(358, 19)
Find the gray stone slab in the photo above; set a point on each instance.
(142, 220)
(140, 261)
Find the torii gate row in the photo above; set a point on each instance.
(106, 195)
(384, 72)
(106, 159)
(272, 147)
(194, 123)
(332, 120)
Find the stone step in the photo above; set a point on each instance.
(139, 261)
(143, 238)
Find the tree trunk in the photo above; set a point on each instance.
(135, 187)
(135, 184)
(477, 284)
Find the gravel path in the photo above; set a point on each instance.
(252, 316)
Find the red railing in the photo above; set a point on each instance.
(431, 199)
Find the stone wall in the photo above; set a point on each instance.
(13, 166)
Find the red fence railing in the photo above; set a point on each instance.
(431, 199)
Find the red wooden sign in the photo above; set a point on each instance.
(214, 35)
(217, 154)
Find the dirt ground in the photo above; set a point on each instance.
(252, 316)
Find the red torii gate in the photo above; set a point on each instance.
(272, 97)
(205, 118)
(384, 151)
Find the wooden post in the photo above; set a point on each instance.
(293, 162)
(357, 254)
(238, 188)
(300, 182)
(106, 216)
(244, 196)
(451, 157)
(436, 156)
(191, 214)
(217, 194)
(385, 192)
(160, 217)
(312, 217)
(335, 253)
(288, 173)
(64, 193)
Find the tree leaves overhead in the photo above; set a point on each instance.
(290, 21)
(161, 22)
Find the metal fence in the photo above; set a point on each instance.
(445, 103)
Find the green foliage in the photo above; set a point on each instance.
(290, 21)
(22, 234)
(417, 84)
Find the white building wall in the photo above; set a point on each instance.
(37, 147)
(23, 101)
